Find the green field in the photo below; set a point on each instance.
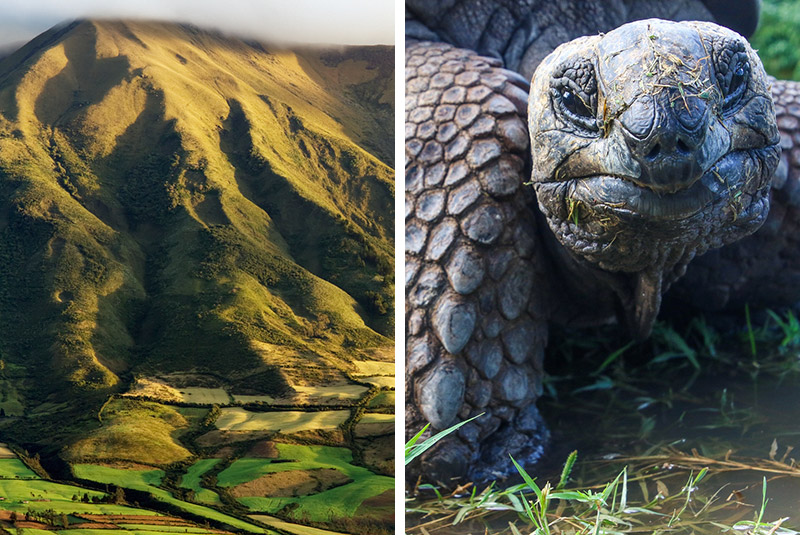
(384, 398)
(139, 528)
(376, 418)
(292, 528)
(191, 480)
(59, 497)
(143, 529)
(386, 381)
(238, 419)
(146, 480)
(15, 469)
(341, 501)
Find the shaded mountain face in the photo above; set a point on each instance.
(173, 199)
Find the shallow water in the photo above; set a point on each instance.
(740, 420)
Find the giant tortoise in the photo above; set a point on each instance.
(580, 197)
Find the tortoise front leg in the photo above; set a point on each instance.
(476, 328)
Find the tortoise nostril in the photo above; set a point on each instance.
(654, 152)
(682, 147)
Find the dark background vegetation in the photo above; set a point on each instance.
(778, 38)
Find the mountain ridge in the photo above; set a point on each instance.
(172, 198)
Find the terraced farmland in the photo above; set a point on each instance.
(85, 511)
(342, 501)
(147, 480)
(386, 381)
(238, 419)
(374, 367)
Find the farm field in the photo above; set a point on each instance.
(376, 418)
(385, 381)
(192, 478)
(339, 501)
(147, 480)
(383, 399)
(204, 396)
(311, 395)
(238, 419)
(156, 388)
(290, 527)
(245, 398)
(374, 367)
(13, 468)
(66, 501)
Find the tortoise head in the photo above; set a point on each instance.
(652, 144)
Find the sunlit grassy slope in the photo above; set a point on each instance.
(170, 197)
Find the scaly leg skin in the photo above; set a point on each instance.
(762, 270)
(476, 329)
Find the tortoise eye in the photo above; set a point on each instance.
(575, 104)
(733, 75)
(737, 83)
(573, 93)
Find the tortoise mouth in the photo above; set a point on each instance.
(724, 182)
(621, 226)
(622, 196)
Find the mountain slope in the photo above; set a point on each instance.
(175, 199)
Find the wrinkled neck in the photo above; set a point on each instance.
(586, 295)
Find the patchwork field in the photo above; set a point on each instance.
(310, 395)
(384, 398)
(298, 464)
(192, 479)
(297, 489)
(238, 419)
(374, 367)
(377, 418)
(148, 481)
(162, 390)
(290, 527)
(12, 468)
(85, 511)
(384, 381)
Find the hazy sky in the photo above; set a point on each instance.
(288, 21)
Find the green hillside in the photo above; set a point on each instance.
(172, 199)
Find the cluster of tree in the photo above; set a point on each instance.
(117, 497)
(48, 516)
